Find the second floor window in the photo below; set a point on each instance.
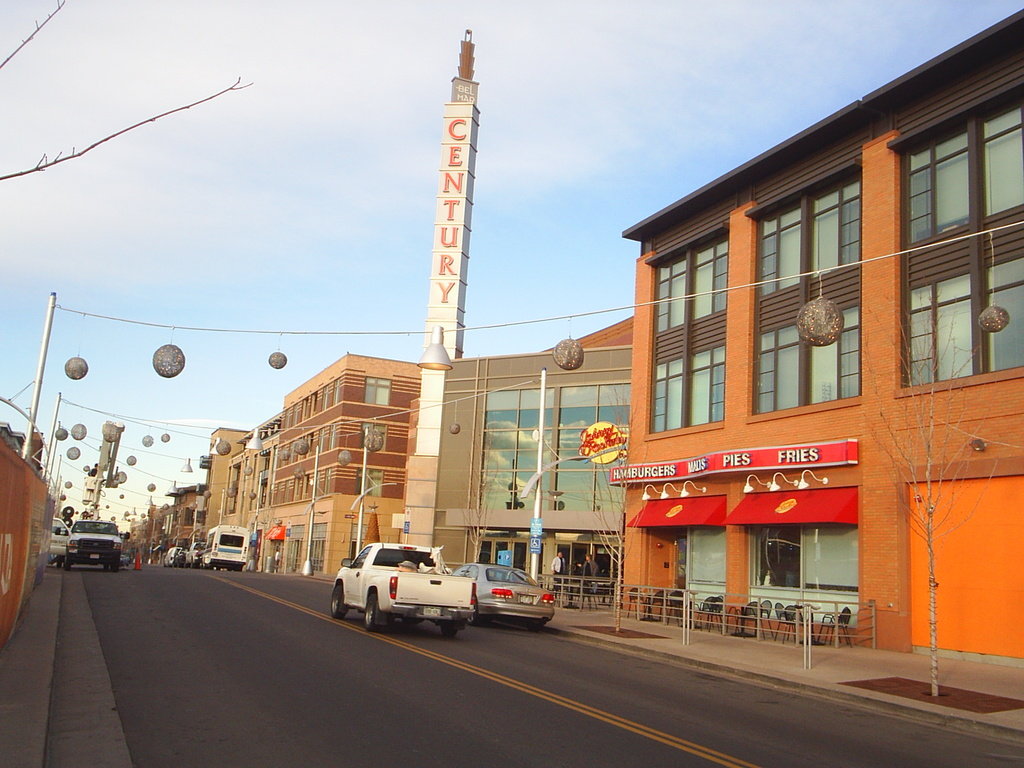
(378, 391)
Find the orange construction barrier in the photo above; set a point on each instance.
(138, 561)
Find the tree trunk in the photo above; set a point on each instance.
(933, 624)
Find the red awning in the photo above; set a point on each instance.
(700, 510)
(276, 533)
(825, 505)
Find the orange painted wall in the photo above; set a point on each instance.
(980, 572)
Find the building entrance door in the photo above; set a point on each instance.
(681, 562)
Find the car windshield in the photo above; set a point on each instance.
(513, 575)
(94, 526)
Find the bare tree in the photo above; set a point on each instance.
(46, 161)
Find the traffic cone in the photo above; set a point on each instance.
(138, 560)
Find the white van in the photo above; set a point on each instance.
(59, 533)
(227, 546)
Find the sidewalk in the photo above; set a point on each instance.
(996, 690)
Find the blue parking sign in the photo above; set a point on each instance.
(535, 546)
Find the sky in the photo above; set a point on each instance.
(304, 203)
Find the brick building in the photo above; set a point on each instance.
(906, 211)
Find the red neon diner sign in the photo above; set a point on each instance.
(838, 453)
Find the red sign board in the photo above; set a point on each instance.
(783, 457)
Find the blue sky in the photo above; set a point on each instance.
(305, 202)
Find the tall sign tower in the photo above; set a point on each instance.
(446, 304)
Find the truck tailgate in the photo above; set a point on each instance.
(432, 589)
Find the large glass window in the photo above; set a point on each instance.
(706, 558)
(940, 331)
(1006, 348)
(835, 369)
(806, 557)
(701, 274)
(938, 187)
(510, 444)
(707, 388)
(1004, 162)
(778, 376)
(780, 251)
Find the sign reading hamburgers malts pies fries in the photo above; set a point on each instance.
(808, 456)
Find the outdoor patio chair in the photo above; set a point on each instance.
(831, 624)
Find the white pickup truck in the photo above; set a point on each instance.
(386, 581)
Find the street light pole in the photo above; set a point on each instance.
(535, 556)
(307, 567)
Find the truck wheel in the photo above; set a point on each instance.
(115, 567)
(338, 607)
(371, 617)
(450, 628)
(67, 563)
(477, 620)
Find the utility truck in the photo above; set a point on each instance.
(400, 581)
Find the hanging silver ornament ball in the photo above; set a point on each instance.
(60, 434)
(207, 493)
(301, 446)
(130, 461)
(345, 458)
(819, 322)
(169, 361)
(120, 477)
(277, 360)
(147, 441)
(252, 495)
(232, 491)
(223, 447)
(165, 438)
(568, 354)
(76, 368)
(284, 456)
(151, 487)
(79, 431)
(87, 468)
(165, 507)
(73, 453)
(297, 472)
(121, 496)
(67, 484)
(993, 319)
(247, 471)
(455, 428)
(63, 497)
(374, 440)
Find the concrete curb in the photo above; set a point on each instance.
(26, 678)
(854, 696)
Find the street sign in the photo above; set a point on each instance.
(535, 545)
(536, 526)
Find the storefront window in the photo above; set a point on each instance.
(707, 558)
(809, 557)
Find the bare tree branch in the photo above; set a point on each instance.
(27, 40)
(44, 163)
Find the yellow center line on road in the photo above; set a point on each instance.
(690, 747)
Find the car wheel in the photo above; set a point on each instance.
(115, 567)
(478, 620)
(450, 628)
(371, 616)
(67, 564)
(338, 607)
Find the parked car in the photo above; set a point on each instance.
(171, 559)
(59, 534)
(508, 593)
(194, 554)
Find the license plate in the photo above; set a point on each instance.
(528, 599)
(94, 557)
(431, 611)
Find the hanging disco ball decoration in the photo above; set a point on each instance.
(63, 497)
(147, 441)
(297, 473)
(252, 495)
(247, 471)
(79, 431)
(130, 461)
(169, 361)
(76, 368)
(121, 496)
(345, 458)
(60, 434)
(819, 322)
(207, 493)
(151, 487)
(73, 452)
(232, 491)
(455, 428)
(223, 447)
(277, 360)
(284, 456)
(993, 319)
(301, 446)
(568, 354)
(374, 440)
(165, 438)
(165, 507)
(120, 477)
(67, 484)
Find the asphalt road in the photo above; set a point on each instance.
(239, 669)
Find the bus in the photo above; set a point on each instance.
(227, 546)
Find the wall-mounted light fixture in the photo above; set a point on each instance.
(804, 484)
(685, 493)
(775, 486)
(664, 490)
(646, 496)
(748, 488)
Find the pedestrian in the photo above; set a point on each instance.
(589, 571)
(277, 561)
(558, 564)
